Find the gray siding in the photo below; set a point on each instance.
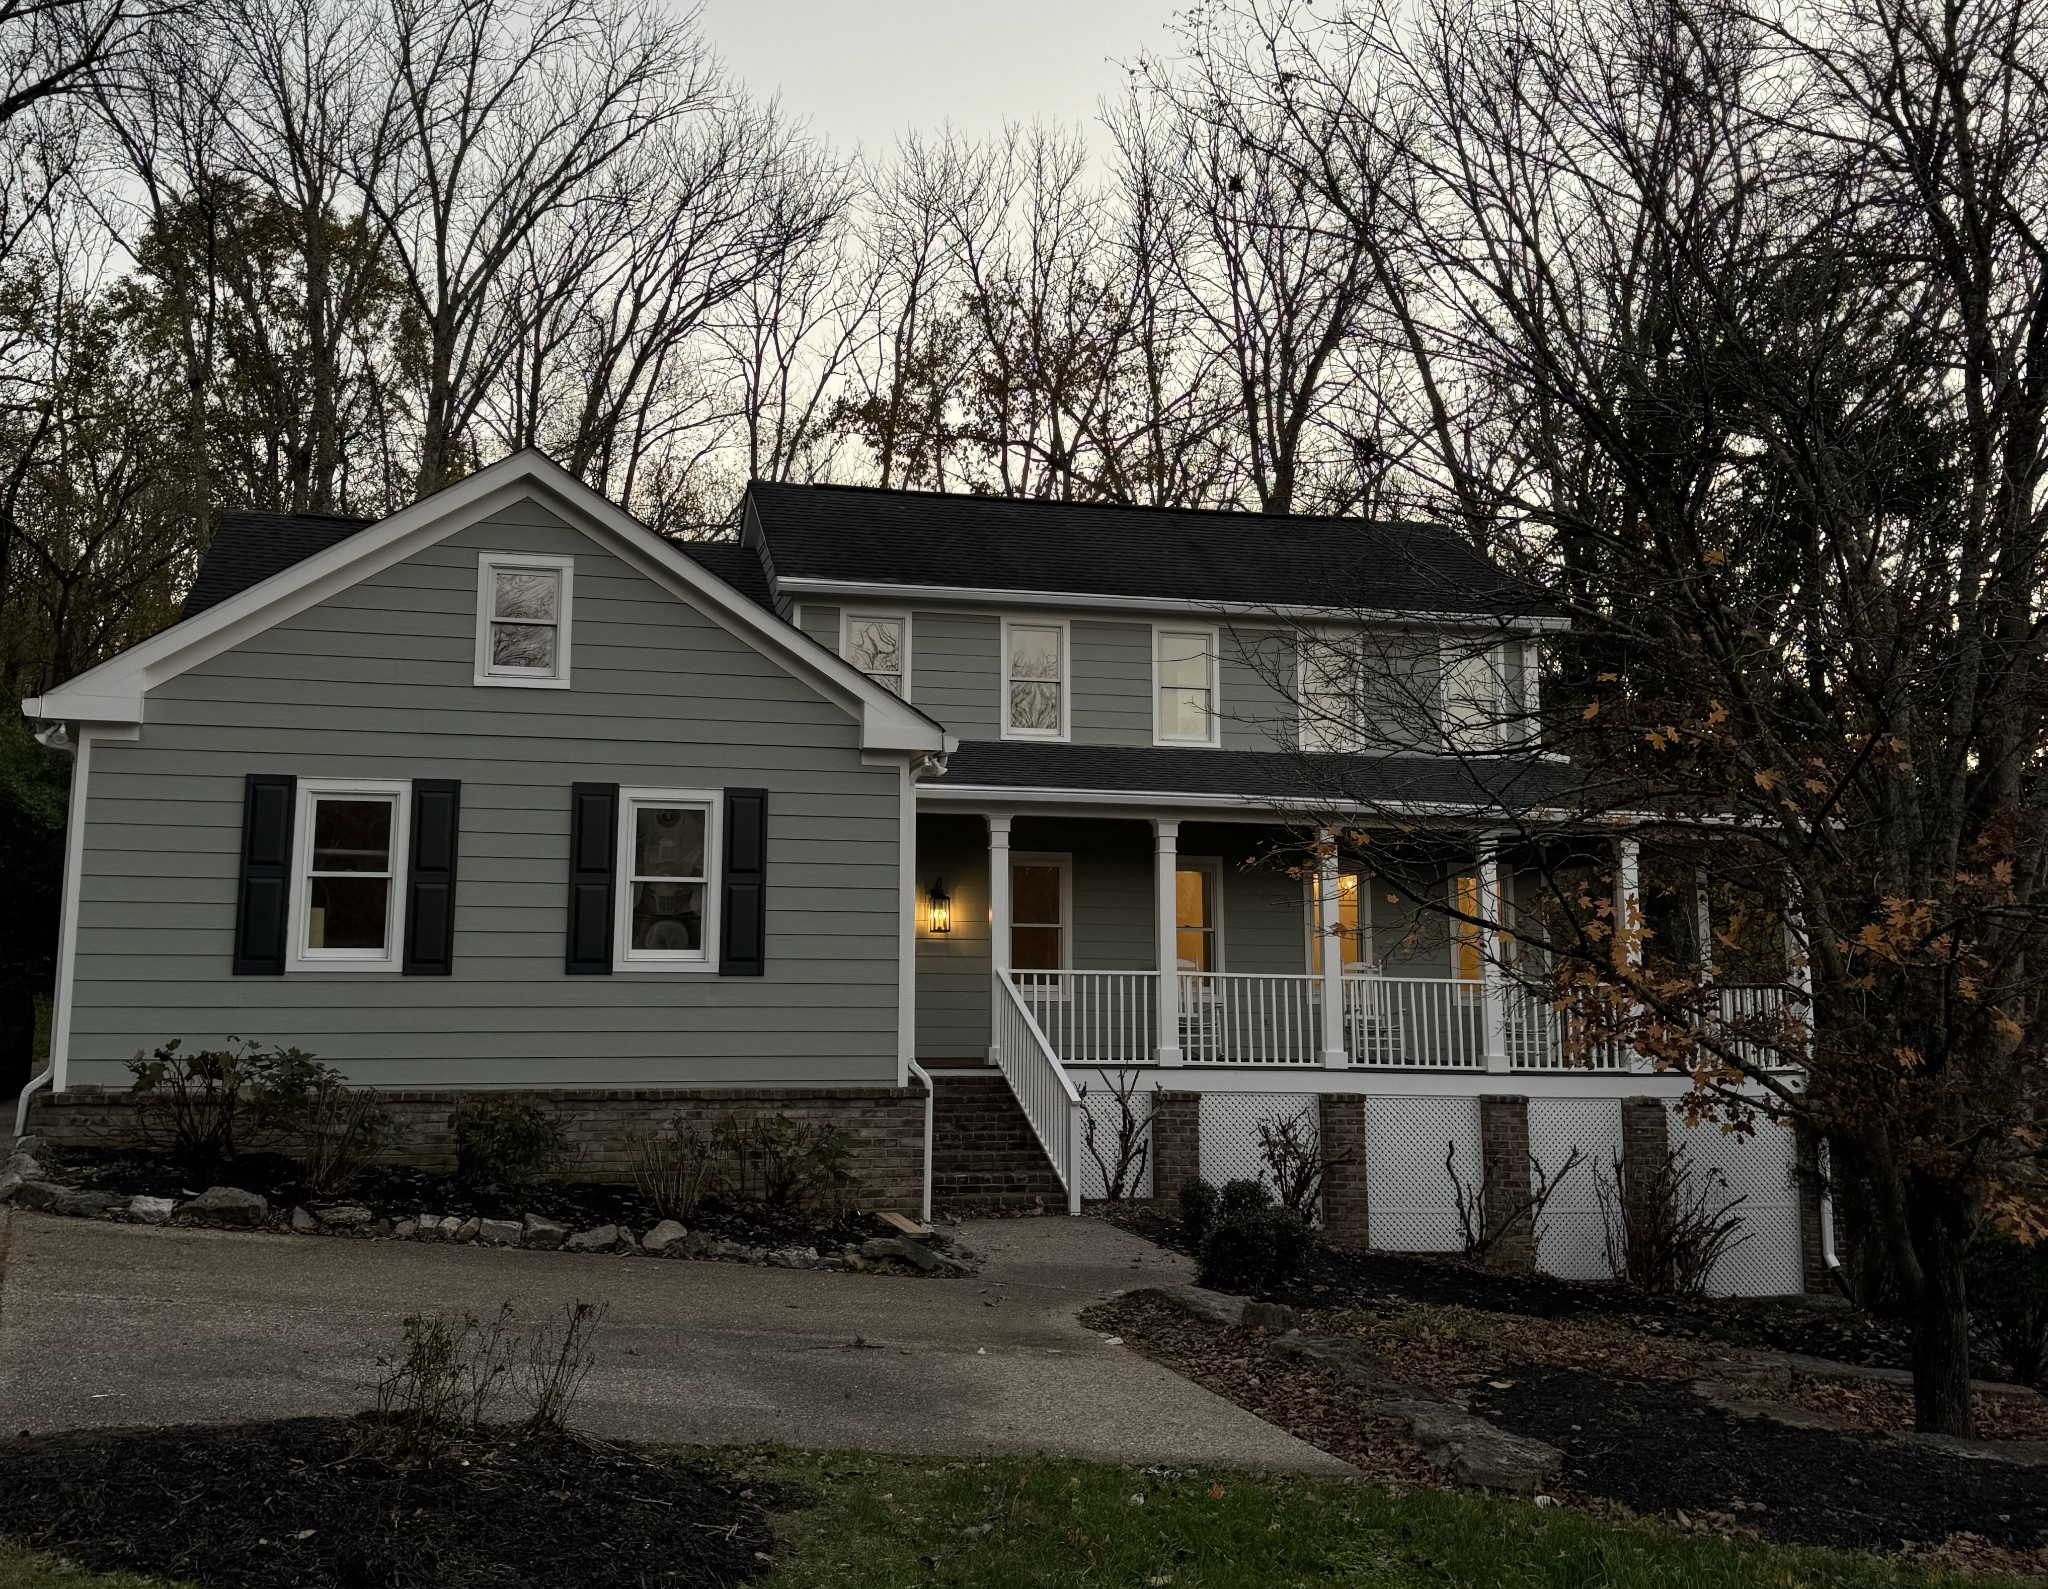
(953, 970)
(375, 682)
(1112, 683)
(955, 670)
(820, 623)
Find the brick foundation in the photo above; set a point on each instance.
(1342, 1121)
(1176, 1145)
(1504, 1190)
(884, 1125)
(1645, 1145)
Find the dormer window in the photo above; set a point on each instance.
(878, 643)
(522, 620)
(1034, 680)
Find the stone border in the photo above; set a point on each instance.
(24, 1182)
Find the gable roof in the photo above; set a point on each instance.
(115, 691)
(822, 536)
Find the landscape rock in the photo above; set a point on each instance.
(10, 1183)
(469, 1229)
(543, 1233)
(1473, 1450)
(151, 1210)
(1349, 1360)
(75, 1201)
(227, 1205)
(432, 1227)
(600, 1238)
(914, 1253)
(628, 1242)
(405, 1230)
(1211, 1307)
(664, 1236)
(380, 1227)
(794, 1257)
(728, 1249)
(303, 1222)
(694, 1245)
(343, 1216)
(498, 1232)
(1275, 1316)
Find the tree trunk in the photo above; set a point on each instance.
(1939, 1224)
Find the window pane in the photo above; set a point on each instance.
(1184, 714)
(1035, 894)
(1035, 948)
(1470, 700)
(1035, 707)
(668, 841)
(1192, 890)
(523, 645)
(347, 912)
(524, 593)
(1034, 653)
(668, 917)
(1193, 949)
(352, 835)
(1184, 660)
(877, 647)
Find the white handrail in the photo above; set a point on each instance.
(1041, 1085)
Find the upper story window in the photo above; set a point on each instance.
(1184, 685)
(348, 873)
(1034, 680)
(1333, 695)
(1474, 698)
(878, 643)
(522, 620)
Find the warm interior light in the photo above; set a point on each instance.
(938, 907)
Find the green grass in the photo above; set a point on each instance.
(884, 1522)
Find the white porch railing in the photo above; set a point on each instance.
(1414, 1023)
(1233, 1018)
(1094, 1017)
(1540, 1037)
(1042, 1087)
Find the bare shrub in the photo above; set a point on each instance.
(783, 1164)
(203, 1108)
(1123, 1169)
(340, 1131)
(558, 1360)
(1293, 1151)
(1481, 1234)
(675, 1167)
(1667, 1234)
(439, 1389)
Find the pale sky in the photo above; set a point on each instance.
(861, 71)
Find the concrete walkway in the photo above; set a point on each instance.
(104, 1324)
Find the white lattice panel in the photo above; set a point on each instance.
(1762, 1168)
(1571, 1238)
(1099, 1098)
(1409, 1199)
(1230, 1132)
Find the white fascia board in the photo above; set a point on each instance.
(113, 692)
(865, 590)
(1164, 798)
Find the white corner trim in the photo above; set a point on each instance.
(302, 960)
(625, 959)
(65, 993)
(906, 938)
(1213, 639)
(487, 564)
(1066, 634)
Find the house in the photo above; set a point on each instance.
(904, 802)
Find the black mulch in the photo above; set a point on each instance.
(1654, 1446)
(302, 1504)
(1825, 1327)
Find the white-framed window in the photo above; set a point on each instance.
(348, 873)
(1041, 914)
(1354, 921)
(522, 619)
(1035, 678)
(878, 643)
(1198, 914)
(667, 880)
(1472, 696)
(1185, 685)
(1331, 690)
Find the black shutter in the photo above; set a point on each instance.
(430, 879)
(743, 931)
(264, 900)
(593, 858)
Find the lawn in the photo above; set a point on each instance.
(899, 1521)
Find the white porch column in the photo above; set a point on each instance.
(1493, 1003)
(1703, 918)
(1628, 900)
(1166, 832)
(999, 893)
(1328, 936)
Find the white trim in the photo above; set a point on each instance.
(1213, 640)
(1066, 635)
(906, 952)
(1181, 800)
(300, 958)
(564, 568)
(1064, 861)
(114, 692)
(991, 596)
(1310, 1079)
(59, 1068)
(1213, 865)
(849, 615)
(625, 958)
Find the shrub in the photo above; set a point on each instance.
(1244, 1197)
(507, 1144)
(454, 1368)
(1198, 1202)
(2008, 1291)
(340, 1131)
(1251, 1249)
(1123, 1167)
(783, 1165)
(675, 1167)
(1293, 1150)
(205, 1108)
(1667, 1234)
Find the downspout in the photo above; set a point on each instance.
(930, 1093)
(1828, 1258)
(56, 736)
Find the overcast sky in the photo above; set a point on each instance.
(861, 71)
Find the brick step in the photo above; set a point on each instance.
(983, 1150)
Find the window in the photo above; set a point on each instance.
(1040, 904)
(878, 643)
(668, 850)
(1332, 695)
(1197, 894)
(522, 620)
(1035, 680)
(348, 869)
(1354, 921)
(1471, 703)
(1466, 945)
(1184, 668)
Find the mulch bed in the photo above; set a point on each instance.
(308, 1503)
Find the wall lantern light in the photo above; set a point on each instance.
(938, 907)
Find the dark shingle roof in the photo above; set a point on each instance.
(1259, 775)
(873, 536)
(248, 548)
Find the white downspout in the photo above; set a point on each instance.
(79, 742)
(930, 1096)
